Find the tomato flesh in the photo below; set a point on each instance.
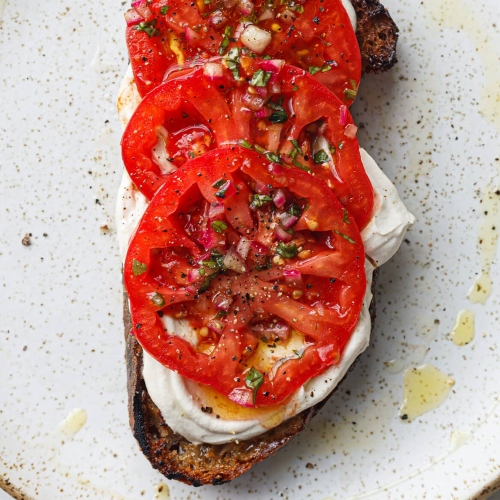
(315, 35)
(190, 261)
(268, 106)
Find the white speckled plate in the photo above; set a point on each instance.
(433, 123)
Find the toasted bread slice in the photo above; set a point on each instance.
(197, 464)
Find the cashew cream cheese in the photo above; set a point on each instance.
(199, 413)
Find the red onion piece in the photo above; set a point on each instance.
(277, 169)
(215, 210)
(234, 261)
(281, 234)
(289, 220)
(243, 247)
(253, 102)
(261, 187)
(191, 36)
(222, 301)
(132, 17)
(208, 239)
(351, 131)
(272, 66)
(262, 113)
(216, 325)
(343, 115)
(194, 275)
(293, 278)
(246, 7)
(142, 8)
(291, 273)
(217, 18)
(279, 198)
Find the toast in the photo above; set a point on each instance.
(200, 464)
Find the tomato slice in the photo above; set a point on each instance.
(265, 105)
(196, 257)
(315, 35)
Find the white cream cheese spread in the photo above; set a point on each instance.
(199, 413)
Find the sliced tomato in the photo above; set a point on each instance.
(193, 259)
(265, 105)
(315, 35)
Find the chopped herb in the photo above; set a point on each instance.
(205, 284)
(294, 210)
(314, 69)
(245, 144)
(301, 166)
(350, 94)
(191, 154)
(350, 240)
(298, 353)
(259, 200)
(221, 314)
(219, 183)
(207, 2)
(346, 216)
(138, 268)
(320, 156)
(326, 68)
(148, 27)
(164, 9)
(279, 116)
(228, 31)
(254, 380)
(219, 226)
(273, 157)
(295, 88)
(157, 299)
(340, 145)
(286, 251)
(260, 78)
(259, 149)
(332, 148)
(232, 61)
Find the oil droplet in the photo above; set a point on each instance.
(162, 492)
(463, 331)
(457, 14)
(488, 242)
(74, 422)
(458, 439)
(425, 388)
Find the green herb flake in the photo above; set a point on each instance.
(303, 167)
(219, 183)
(219, 226)
(254, 380)
(260, 78)
(346, 216)
(138, 268)
(245, 144)
(233, 62)
(148, 27)
(350, 94)
(259, 149)
(294, 210)
(279, 116)
(191, 154)
(273, 157)
(286, 251)
(320, 156)
(295, 88)
(350, 240)
(340, 145)
(164, 9)
(259, 200)
(228, 31)
(314, 69)
(157, 299)
(298, 353)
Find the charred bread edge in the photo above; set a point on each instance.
(377, 36)
(198, 464)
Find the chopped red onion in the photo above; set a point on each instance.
(191, 36)
(266, 14)
(132, 17)
(343, 115)
(277, 169)
(243, 247)
(215, 209)
(255, 38)
(216, 326)
(263, 113)
(217, 18)
(272, 66)
(261, 187)
(350, 131)
(279, 198)
(253, 102)
(281, 234)
(291, 273)
(142, 8)
(208, 239)
(194, 275)
(234, 261)
(288, 220)
(222, 301)
(246, 7)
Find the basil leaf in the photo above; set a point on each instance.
(254, 380)
(287, 251)
(320, 156)
(157, 299)
(260, 78)
(219, 226)
(138, 268)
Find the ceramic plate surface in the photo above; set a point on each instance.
(432, 123)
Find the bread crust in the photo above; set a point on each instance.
(197, 464)
(377, 36)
